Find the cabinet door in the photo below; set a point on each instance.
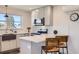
(34, 15)
(41, 13)
(18, 41)
(0, 42)
(48, 15)
(13, 44)
(5, 45)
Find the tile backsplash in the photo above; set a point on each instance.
(34, 29)
(37, 28)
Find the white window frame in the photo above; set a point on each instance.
(12, 15)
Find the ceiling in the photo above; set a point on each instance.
(26, 7)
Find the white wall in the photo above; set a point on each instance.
(26, 21)
(62, 23)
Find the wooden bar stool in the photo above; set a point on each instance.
(63, 42)
(51, 46)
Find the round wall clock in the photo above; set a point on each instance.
(74, 16)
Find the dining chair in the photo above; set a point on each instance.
(51, 46)
(63, 42)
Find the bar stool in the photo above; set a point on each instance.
(63, 42)
(52, 46)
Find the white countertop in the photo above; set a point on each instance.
(11, 33)
(37, 38)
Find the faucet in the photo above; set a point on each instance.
(11, 30)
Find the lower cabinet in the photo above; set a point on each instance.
(13, 44)
(8, 45)
(18, 41)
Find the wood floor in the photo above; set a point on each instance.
(13, 51)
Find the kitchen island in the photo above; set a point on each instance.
(32, 44)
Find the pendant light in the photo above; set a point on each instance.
(6, 15)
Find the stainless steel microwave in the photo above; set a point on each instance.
(39, 21)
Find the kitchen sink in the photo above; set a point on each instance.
(8, 37)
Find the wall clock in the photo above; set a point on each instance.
(74, 16)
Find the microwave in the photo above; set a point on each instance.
(39, 21)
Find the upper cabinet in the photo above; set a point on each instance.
(48, 15)
(44, 14)
(41, 12)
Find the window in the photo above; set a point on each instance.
(2, 21)
(17, 21)
(13, 22)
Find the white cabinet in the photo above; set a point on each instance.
(13, 44)
(5, 45)
(48, 15)
(37, 14)
(41, 12)
(9, 44)
(18, 36)
(34, 15)
(46, 12)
